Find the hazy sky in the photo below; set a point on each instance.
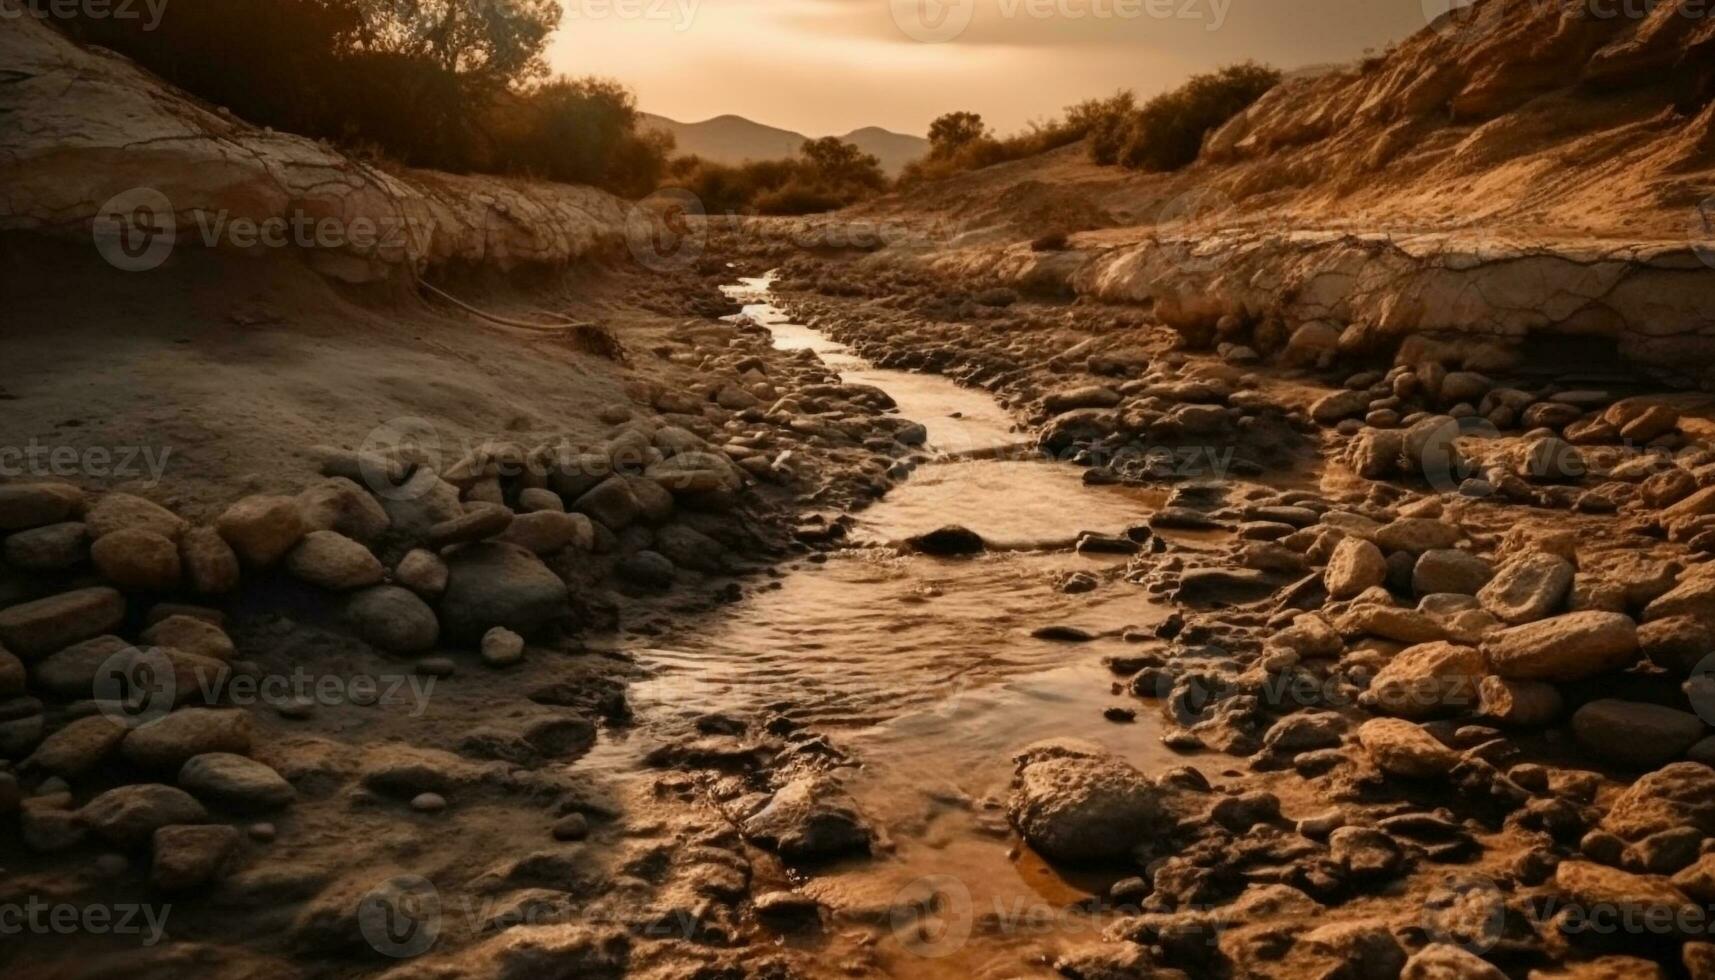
(829, 66)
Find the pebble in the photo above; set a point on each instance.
(428, 803)
(263, 832)
(572, 826)
(435, 667)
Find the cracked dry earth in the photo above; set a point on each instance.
(894, 626)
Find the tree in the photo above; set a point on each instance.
(836, 162)
(497, 42)
(953, 132)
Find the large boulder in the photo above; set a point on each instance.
(1528, 588)
(1565, 648)
(1080, 804)
(339, 504)
(1681, 794)
(1428, 680)
(393, 619)
(496, 584)
(45, 625)
(1634, 734)
(1355, 565)
(1449, 570)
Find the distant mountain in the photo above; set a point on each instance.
(735, 139)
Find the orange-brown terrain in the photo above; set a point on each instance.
(1291, 566)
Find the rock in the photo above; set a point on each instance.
(187, 857)
(121, 511)
(1677, 644)
(31, 505)
(1680, 794)
(1449, 570)
(694, 473)
(1306, 731)
(1401, 748)
(1354, 566)
(71, 673)
(1565, 648)
(77, 748)
(502, 648)
(810, 818)
(479, 523)
(611, 502)
(1364, 852)
(423, 572)
(332, 561)
(1391, 623)
(538, 499)
(1550, 459)
(647, 570)
(1444, 961)
(1521, 704)
(1694, 597)
(572, 826)
(947, 541)
(546, 532)
(689, 548)
(393, 619)
(262, 529)
(1528, 588)
(236, 782)
(129, 815)
(1417, 535)
(1338, 405)
(210, 565)
(1634, 734)
(496, 584)
(1086, 396)
(1374, 454)
(342, 506)
(46, 625)
(136, 559)
(168, 742)
(1641, 898)
(1428, 680)
(12, 675)
(420, 503)
(51, 548)
(428, 803)
(1083, 807)
(188, 634)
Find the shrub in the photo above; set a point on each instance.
(827, 174)
(1167, 133)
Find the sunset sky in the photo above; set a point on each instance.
(829, 66)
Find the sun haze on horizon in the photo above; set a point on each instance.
(830, 66)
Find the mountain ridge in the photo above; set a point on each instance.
(733, 139)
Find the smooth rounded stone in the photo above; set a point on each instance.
(1599, 886)
(1445, 961)
(1354, 566)
(1334, 407)
(1677, 644)
(423, 572)
(1634, 734)
(1565, 648)
(31, 505)
(647, 570)
(1694, 597)
(1310, 636)
(694, 473)
(332, 561)
(136, 559)
(45, 625)
(188, 634)
(1083, 396)
(655, 504)
(235, 781)
(52, 548)
(263, 833)
(1449, 570)
(810, 818)
(186, 857)
(1528, 587)
(571, 827)
(210, 565)
(436, 667)
(1391, 623)
(128, 816)
(71, 673)
(1401, 748)
(420, 503)
(502, 648)
(1417, 535)
(1550, 459)
(77, 748)
(948, 541)
(687, 547)
(13, 676)
(1427, 680)
(534, 499)
(261, 529)
(168, 742)
(119, 511)
(1520, 704)
(428, 803)
(546, 532)
(611, 502)
(341, 505)
(479, 523)
(1075, 802)
(497, 584)
(393, 619)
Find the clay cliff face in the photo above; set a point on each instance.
(85, 128)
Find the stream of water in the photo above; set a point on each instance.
(926, 671)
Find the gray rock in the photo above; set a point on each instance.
(235, 781)
(187, 857)
(393, 619)
(496, 584)
(1634, 734)
(45, 625)
(129, 815)
(1528, 588)
(52, 548)
(647, 570)
(32, 505)
(611, 502)
(167, 743)
(332, 561)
